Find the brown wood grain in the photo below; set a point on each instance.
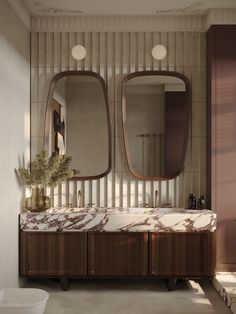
(58, 254)
(118, 254)
(221, 139)
(182, 254)
(54, 253)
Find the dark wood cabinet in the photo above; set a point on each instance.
(221, 138)
(53, 253)
(77, 254)
(182, 254)
(118, 254)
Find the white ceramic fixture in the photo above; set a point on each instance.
(23, 301)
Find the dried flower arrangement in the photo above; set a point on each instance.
(46, 171)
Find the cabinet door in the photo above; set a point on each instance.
(117, 253)
(221, 139)
(53, 253)
(182, 254)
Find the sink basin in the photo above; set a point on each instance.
(142, 210)
(172, 210)
(131, 210)
(118, 211)
(119, 219)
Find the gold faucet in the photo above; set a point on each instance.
(90, 204)
(145, 205)
(156, 197)
(80, 198)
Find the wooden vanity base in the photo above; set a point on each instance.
(117, 254)
(64, 283)
(171, 283)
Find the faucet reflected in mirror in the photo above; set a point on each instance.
(156, 197)
(80, 199)
(152, 146)
(91, 204)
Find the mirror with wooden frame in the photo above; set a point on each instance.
(156, 117)
(78, 122)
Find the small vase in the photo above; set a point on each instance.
(38, 201)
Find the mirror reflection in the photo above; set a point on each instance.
(156, 119)
(78, 122)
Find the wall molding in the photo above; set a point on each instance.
(182, 23)
(117, 23)
(22, 12)
(219, 17)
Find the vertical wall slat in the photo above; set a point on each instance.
(97, 191)
(88, 46)
(133, 60)
(141, 50)
(71, 43)
(148, 49)
(80, 41)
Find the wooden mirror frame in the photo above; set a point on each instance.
(124, 127)
(47, 117)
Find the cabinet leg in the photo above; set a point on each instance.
(64, 283)
(171, 283)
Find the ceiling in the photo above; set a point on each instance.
(123, 7)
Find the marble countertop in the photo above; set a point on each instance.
(119, 219)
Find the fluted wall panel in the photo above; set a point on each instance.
(114, 55)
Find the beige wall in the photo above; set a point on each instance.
(114, 55)
(14, 133)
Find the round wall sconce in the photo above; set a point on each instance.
(78, 52)
(159, 52)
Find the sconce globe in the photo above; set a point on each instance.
(78, 52)
(159, 52)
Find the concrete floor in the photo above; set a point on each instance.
(131, 296)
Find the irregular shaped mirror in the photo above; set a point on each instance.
(78, 122)
(156, 114)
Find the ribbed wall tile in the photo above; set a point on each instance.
(187, 49)
(42, 88)
(197, 81)
(37, 110)
(170, 45)
(57, 51)
(148, 49)
(42, 49)
(203, 50)
(72, 41)
(34, 49)
(114, 55)
(34, 84)
(198, 119)
(179, 55)
(64, 49)
(50, 49)
(118, 119)
(88, 45)
(196, 49)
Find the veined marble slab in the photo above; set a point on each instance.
(119, 219)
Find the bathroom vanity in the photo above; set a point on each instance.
(107, 242)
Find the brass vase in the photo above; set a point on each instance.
(38, 201)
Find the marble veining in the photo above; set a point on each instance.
(119, 219)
